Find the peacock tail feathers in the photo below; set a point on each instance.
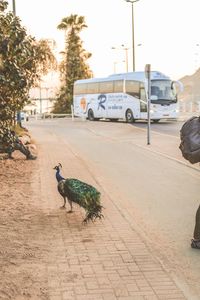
(84, 195)
(80, 193)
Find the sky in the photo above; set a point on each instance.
(167, 32)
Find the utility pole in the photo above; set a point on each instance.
(148, 77)
(14, 7)
(133, 38)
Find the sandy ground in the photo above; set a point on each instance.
(20, 225)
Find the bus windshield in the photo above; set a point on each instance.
(163, 91)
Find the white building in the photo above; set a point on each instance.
(43, 97)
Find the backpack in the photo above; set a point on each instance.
(190, 140)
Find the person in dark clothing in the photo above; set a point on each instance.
(195, 242)
(17, 144)
(19, 119)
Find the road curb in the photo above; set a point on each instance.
(168, 157)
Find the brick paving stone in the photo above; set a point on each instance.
(128, 279)
(104, 260)
(109, 296)
(108, 263)
(67, 296)
(132, 287)
(168, 292)
(124, 271)
(80, 290)
(177, 296)
(141, 282)
(149, 298)
(142, 293)
(103, 280)
(114, 277)
(92, 285)
(163, 288)
(89, 297)
(131, 298)
(121, 290)
(55, 297)
(101, 291)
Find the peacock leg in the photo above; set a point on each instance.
(64, 203)
(70, 203)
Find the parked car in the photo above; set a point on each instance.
(24, 116)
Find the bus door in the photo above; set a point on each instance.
(143, 102)
(134, 93)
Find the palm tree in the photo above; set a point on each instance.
(73, 22)
(73, 65)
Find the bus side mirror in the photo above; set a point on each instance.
(177, 86)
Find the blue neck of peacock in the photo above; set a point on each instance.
(58, 176)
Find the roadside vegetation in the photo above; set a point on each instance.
(23, 60)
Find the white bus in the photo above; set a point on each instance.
(124, 96)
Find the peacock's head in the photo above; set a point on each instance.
(58, 167)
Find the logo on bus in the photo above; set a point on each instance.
(102, 100)
(83, 104)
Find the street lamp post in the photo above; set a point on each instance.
(126, 51)
(133, 42)
(14, 7)
(115, 64)
(126, 54)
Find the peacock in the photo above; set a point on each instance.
(81, 193)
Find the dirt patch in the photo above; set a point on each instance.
(22, 251)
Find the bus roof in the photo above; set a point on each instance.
(140, 76)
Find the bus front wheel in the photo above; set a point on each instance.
(90, 115)
(129, 116)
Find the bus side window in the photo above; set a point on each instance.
(106, 87)
(93, 88)
(118, 86)
(80, 89)
(133, 88)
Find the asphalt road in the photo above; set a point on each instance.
(165, 127)
(158, 194)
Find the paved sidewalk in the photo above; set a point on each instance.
(103, 260)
